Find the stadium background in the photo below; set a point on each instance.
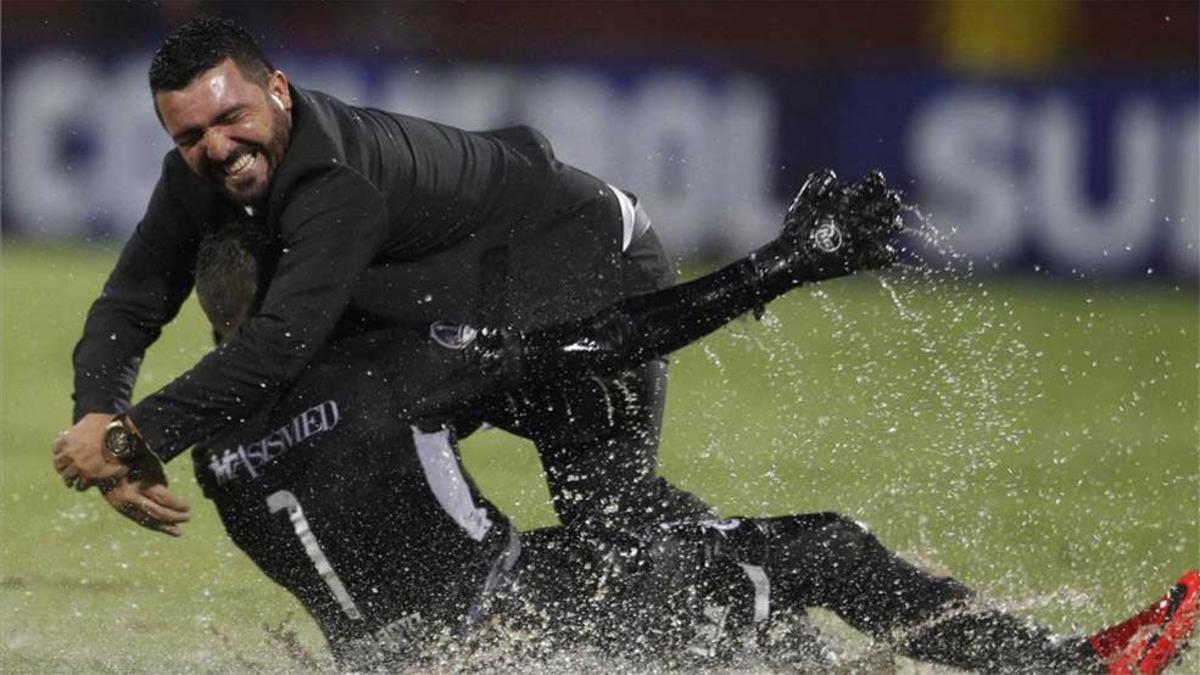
(1025, 418)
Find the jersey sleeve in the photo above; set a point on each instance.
(332, 227)
(151, 280)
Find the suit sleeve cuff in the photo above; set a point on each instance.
(160, 444)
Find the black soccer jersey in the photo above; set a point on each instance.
(363, 515)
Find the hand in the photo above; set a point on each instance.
(142, 496)
(833, 229)
(859, 222)
(79, 454)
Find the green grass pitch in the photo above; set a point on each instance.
(1037, 440)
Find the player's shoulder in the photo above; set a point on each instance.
(524, 139)
(315, 138)
(317, 156)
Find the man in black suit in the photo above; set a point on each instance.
(379, 220)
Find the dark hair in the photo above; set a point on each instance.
(200, 44)
(234, 265)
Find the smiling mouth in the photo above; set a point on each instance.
(241, 166)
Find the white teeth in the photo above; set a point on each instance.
(241, 165)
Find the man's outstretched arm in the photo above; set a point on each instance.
(832, 229)
(144, 292)
(332, 227)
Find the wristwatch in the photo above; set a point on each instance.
(123, 443)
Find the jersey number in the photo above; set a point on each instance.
(284, 500)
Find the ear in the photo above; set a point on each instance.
(278, 91)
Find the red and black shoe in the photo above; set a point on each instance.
(1157, 636)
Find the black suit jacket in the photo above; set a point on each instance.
(383, 219)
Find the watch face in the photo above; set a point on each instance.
(118, 442)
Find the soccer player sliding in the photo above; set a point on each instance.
(348, 491)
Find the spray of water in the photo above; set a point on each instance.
(916, 393)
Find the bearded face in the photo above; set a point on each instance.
(231, 130)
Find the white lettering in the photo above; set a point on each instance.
(1071, 229)
(312, 421)
(329, 414)
(697, 152)
(83, 150)
(284, 500)
(253, 457)
(962, 149)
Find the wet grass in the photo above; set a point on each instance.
(1038, 440)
